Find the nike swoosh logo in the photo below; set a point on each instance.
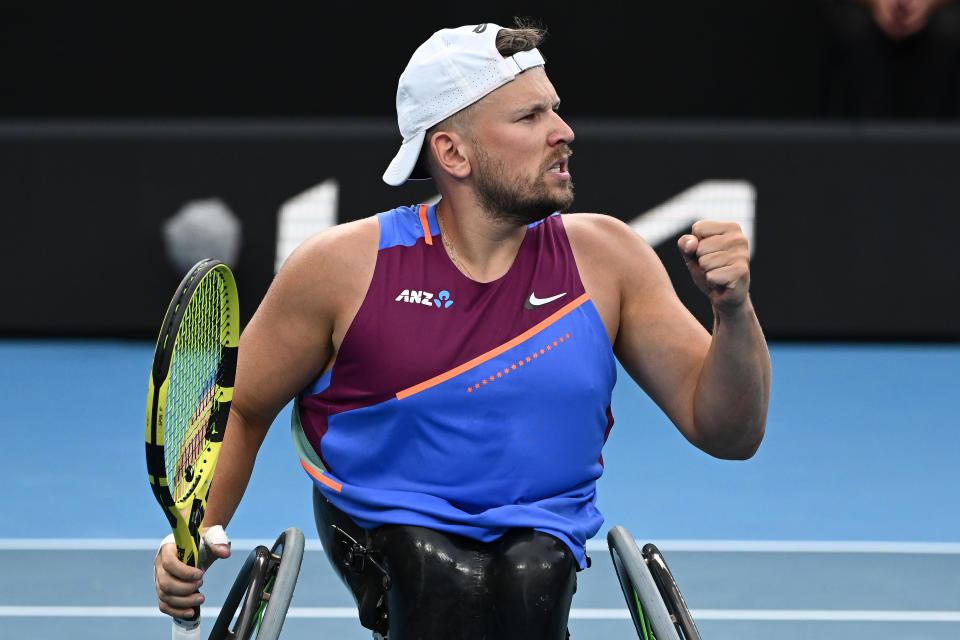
(533, 301)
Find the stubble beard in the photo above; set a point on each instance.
(516, 200)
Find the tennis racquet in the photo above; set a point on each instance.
(656, 605)
(188, 400)
(265, 583)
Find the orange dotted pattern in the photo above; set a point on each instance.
(498, 375)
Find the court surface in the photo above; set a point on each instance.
(844, 525)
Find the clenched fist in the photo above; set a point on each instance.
(718, 258)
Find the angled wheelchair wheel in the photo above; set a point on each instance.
(646, 606)
(676, 605)
(265, 585)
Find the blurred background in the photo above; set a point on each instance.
(837, 139)
(136, 138)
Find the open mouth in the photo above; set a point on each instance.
(560, 166)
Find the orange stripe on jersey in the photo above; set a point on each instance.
(466, 366)
(427, 237)
(322, 479)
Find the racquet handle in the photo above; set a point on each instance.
(186, 629)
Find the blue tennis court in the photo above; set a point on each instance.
(844, 525)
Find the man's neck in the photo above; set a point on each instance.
(480, 244)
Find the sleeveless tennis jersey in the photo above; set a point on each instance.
(467, 407)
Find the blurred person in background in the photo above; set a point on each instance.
(892, 59)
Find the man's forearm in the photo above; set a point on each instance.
(733, 391)
(241, 442)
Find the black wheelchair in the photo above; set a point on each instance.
(267, 579)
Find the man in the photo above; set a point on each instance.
(453, 364)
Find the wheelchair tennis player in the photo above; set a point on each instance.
(452, 364)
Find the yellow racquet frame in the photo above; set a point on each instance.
(185, 512)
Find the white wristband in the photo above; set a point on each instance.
(168, 540)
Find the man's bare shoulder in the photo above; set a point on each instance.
(603, 237)
(598, 227)
(337, 243)
(336, 248)
(337, 260)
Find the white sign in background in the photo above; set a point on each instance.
(723, 200)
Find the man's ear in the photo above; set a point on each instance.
(451, 154)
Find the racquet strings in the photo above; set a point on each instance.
(192, 383)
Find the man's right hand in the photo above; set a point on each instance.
(178, 583)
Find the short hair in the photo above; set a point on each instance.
(525, 35)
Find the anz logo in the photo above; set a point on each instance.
(442, 300)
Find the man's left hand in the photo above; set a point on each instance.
(718, 259)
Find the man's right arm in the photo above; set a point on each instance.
(291, 339)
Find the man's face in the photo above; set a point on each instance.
(520, 151)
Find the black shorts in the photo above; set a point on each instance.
(423, 583)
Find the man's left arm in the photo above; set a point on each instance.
(733, 389)
(714, 387)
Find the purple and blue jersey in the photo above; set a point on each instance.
(467, 407)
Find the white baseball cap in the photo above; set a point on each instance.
(450, 71)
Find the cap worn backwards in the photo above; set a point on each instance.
(450, 71)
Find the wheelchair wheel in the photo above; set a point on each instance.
(647, 608)
(265, 584)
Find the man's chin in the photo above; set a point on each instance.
(546, 208)
(565, 202)
(525, 204)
